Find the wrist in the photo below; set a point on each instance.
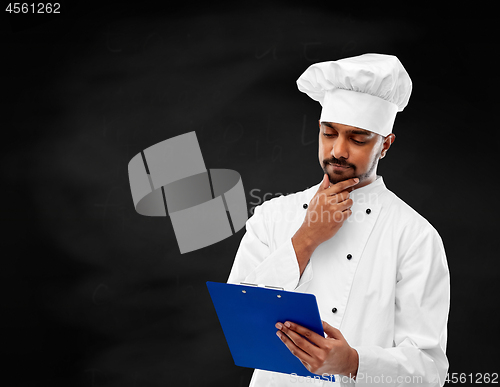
(353, 364)
(303, 241)
(304, 247)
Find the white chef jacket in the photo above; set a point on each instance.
(384, 272)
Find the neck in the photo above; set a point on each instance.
(364, 182)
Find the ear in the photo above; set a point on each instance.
(319, 124)
(387, 142)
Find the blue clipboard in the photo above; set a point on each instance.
(247, 315)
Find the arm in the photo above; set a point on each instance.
(421, 315)
(255, 262)
(328, 210)
(418, 357)
(330, 355)
(258, 262)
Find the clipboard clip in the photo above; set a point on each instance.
(262, 286)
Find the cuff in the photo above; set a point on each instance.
(279, 269)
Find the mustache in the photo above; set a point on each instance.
(341, 162)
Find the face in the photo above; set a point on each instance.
(346, 152)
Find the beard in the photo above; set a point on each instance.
(349, 173)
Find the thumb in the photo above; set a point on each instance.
(325, 183)
(332, 332)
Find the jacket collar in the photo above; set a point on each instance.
(368, 194)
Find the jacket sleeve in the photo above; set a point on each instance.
(418, 357)
(259, 261)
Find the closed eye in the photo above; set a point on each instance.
(358, 142)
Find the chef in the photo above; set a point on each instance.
(378, 268)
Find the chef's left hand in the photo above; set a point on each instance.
(320, 355)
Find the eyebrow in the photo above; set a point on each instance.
(350, 131)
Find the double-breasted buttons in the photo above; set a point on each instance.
(368, 211)
(349, 256)
(334, 310)
(305, 206)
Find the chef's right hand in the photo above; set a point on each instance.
(327, 211)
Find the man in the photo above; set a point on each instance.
(378, 269)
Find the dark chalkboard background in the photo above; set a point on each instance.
(97, 295)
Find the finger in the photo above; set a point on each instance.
(332, 332)
(330, 198)
(305, 364)
(301, 342)
(336, 216)
(343, 185)
(300, 331)
(338, 197)
(341, 216)
(294, 349)
(345, 205)
(342, 206)
(346, 214)
(325, 183)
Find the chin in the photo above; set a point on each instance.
(338, 178)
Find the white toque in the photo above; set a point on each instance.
(364, 91)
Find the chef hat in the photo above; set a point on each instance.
(364, 91)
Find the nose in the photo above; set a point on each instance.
(339, 149)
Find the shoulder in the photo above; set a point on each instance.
(416, 243)
(411, 224)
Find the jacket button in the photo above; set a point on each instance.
(334, 310)
(349, 256)
(368, 211)
(305, 205)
